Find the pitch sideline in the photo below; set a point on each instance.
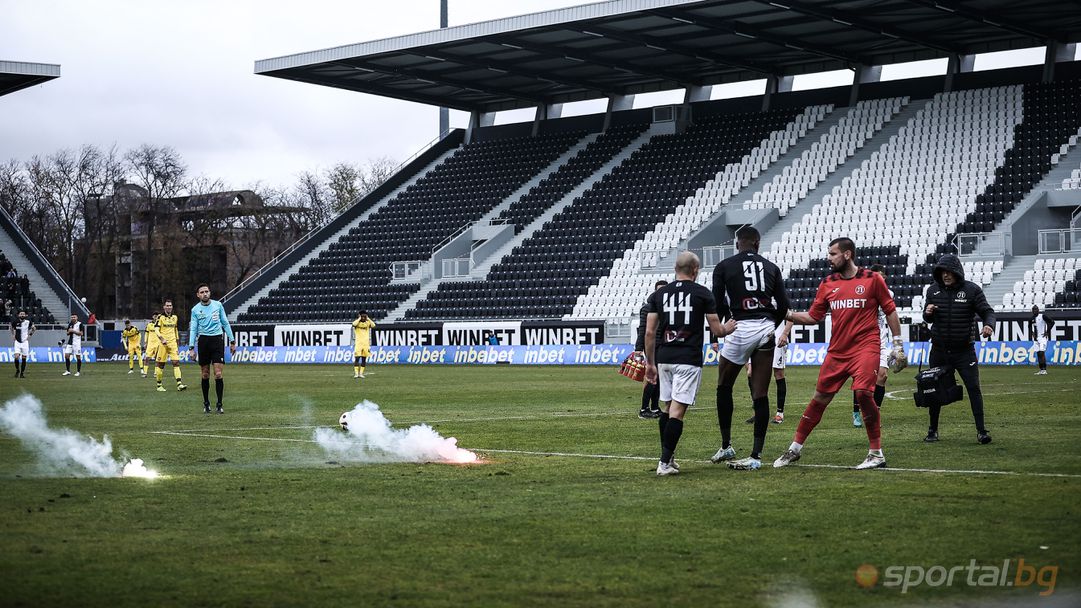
(639, 458)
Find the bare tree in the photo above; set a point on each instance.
(378, 170)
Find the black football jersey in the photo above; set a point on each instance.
(681, 308)
(748, 286)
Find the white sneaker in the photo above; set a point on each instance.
(663, 468)
(786, 459)
(66, 374)
(873, 461)
(77, 374)
(362, 376)
(674, 464)
(356, 376)
(779, 418)
(745, 464)
(723, 454)
(131, 371)
(1042, 372)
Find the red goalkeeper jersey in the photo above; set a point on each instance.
(854, 304)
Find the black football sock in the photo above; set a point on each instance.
(880, 394)
(724, 414)
(646, 396)
(1042, 358)
(934, 411)
(219, 388)
(782, 392)
(855, 403)
(750, 386)
(662, 421)
(205, 385)
(17, 360)
(672, 431)
(67, 364)
(22, 370)
(761, 424)
(79, 365)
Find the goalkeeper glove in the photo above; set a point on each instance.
(897, 360)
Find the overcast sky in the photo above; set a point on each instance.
(180, 73)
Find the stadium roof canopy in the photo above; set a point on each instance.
(16, 75)
(625, 47)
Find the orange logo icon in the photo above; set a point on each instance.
(866, 576)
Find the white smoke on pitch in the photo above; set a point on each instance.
(63, 451)
(370, 438)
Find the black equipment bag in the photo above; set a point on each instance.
(936, 386)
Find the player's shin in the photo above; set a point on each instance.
(724, 413)
(871, 419)
(672, 432)
(204, 384)
(219, 388)
(782, 392)
(810, 419)
(761, 424)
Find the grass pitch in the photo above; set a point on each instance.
(565, 509)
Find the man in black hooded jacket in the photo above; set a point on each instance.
(651, 393)
(952, 303)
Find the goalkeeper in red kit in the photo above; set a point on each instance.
(853, 296)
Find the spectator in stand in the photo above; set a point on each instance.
(24, 285)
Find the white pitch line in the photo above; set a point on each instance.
(650, 458)
(486, 419)
(241, 437)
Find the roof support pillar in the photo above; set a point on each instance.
(775, 84)
(617, 103)
(546, 111)
(957, 64)
(1056, 51)
(864, 74)
(477, 120)
(695, 94)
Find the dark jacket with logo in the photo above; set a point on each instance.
(952, 323)
(640, 343)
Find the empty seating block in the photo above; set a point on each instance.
(354, 273)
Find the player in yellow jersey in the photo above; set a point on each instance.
(150, 351)
(133, 342)
(362, 343)
(169, 337)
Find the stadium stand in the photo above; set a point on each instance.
(591, 259)
(355, 271)
(883, 205)
(545, 275)
(47, 295)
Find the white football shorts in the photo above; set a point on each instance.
(23, 348)
(884, 350)
(679, 382)
(1041, 344)
(75, 348)
(747, 339)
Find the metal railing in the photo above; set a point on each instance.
(1064, 240)
(45, 268)
(304, 239)
(459, 231)
(983, 244)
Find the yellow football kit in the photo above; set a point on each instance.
(132, 341)
(362, 338)
(167, 329)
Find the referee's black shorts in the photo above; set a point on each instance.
(211, 349)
